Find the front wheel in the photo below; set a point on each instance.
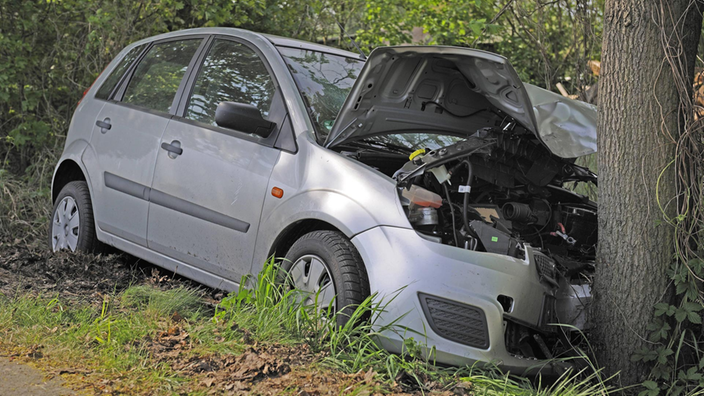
(72, 226)
(327, 265)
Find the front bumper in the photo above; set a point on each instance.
(405, 270)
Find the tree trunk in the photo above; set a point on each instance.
(638, 128)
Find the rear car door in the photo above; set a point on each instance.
(210, 182)
(128, 133)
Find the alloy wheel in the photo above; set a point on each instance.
(65, 225)
(311, 276)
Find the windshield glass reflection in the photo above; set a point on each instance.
(324, 81)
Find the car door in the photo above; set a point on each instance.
(210, 182)
(128, 133)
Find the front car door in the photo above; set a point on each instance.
(128, 133)
(210, 182)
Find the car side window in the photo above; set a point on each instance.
(112, 80)
(158, 76)
(231, 72)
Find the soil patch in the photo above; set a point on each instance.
(23, 380)
(75, 276)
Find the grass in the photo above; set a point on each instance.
(106, 339)
(110, 338)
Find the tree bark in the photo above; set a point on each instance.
(637, 133)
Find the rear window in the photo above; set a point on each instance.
(158, 76)
(109, 85)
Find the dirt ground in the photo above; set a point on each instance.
(73, 276)
(22, 380)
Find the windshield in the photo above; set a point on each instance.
(324, 81)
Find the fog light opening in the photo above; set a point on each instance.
(506, 303)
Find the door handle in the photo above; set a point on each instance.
(104, 125)
(174, 148)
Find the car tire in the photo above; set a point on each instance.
(343, 265)
(72, 226)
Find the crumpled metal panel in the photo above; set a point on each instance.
(390, 94)
(566, 126)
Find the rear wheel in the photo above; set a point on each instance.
(327, 265)
(72, 226)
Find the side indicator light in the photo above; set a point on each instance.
(277, 192)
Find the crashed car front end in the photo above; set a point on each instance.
(501, 251)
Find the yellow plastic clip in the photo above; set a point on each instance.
(416, 153)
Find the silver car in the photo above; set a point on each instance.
(430, 170)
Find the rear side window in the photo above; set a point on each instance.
(110, 82)
(231, 72)
(158, 76)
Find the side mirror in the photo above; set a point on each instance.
(243, 117)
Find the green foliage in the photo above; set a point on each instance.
(674, 345)
(52, 51)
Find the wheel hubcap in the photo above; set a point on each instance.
(310, 275)
(65, 225)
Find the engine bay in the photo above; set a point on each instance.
(496, 191)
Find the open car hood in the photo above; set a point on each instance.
(453, 90)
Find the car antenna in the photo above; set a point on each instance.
(364, 57)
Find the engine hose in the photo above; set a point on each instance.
(465, 206)
(452, 213)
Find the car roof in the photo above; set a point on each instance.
(276, 40)
(294, 43)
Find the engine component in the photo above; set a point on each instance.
(488, 212)
(495, 241)
(423, 216)
(563, 234)
(422, 197)
(441, 174)
(519, 212)
(580, 222)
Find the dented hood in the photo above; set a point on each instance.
(453, 90)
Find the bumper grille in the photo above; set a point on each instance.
(457, 322)
(546, 267)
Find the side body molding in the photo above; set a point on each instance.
(168, 201)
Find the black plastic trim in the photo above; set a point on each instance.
(480, 324)
(157, 197)
(286, 140)
(193, 68)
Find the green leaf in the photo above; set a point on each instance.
(663, 354)
(694, 375)
(661, 308)
(651, 389)
(680, 315)
(650, 385)
(681, 285)
(694, 317)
